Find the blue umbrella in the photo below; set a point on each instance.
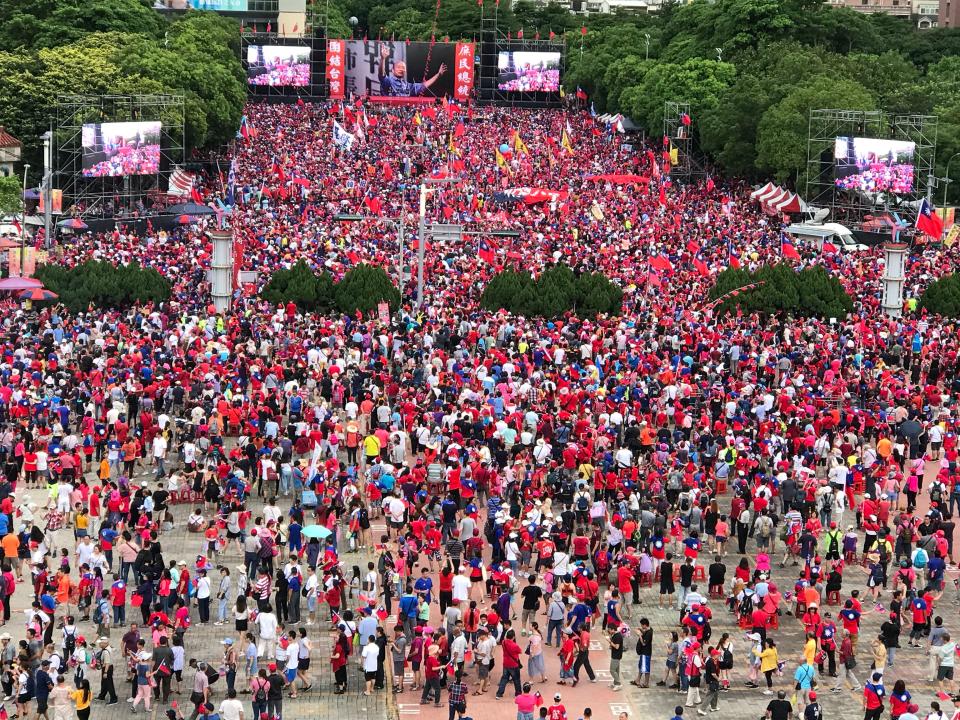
(317, 531)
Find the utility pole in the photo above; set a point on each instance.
(422, 229)
(47, 188)
(23, 217)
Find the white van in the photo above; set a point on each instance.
(833, 233)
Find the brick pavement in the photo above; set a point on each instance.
(204, 643)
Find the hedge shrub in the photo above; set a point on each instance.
(104, 285)
(363, 287)
(302, 286)
(558, 290)
(942, 297)
(812, 292)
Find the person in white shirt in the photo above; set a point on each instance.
(203, 596)
(461, 587)
(231, 708)
(370, 659)
(267, 631)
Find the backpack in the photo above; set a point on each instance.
(31, 685)
(765, 529)
(935, 494)
(212, 675)
(582, 503)
(69, 642)
(260, 694)
(98, 614)
(833, 547)
(920, 559)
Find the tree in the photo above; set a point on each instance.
(363, 288)
(699, 82)
(942, 297)
(25, 24)
(782, 133)
(812, 292)
(11, 195)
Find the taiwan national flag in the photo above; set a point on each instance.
(787, 248)
(928, 222)
(486, 251)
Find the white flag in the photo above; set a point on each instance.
(341, 138)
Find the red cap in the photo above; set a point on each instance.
(272, 667)
(813, 695)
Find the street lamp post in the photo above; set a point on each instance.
(946, 178)
(23, 216)
(421, 238)
(646, 41)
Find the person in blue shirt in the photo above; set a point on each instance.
(424, 586)
(579, 613)
(394, 82)
(935, 569)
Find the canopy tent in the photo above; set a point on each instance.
(776, 200)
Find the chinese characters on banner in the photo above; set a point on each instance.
(56, 202)
(336, 54)
(463, 79)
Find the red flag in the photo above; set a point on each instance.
(373, 205)
(486, 251)
(830, 248)
(269, 26)
(520, 34)
(387, 171)
(693, 247)
(583, 29)
(552, 35)
(928, 221)
(663, 194)
(710, 184)
(430, 112)
(459, 130)
(660, 262)
(196, 196)
(536, 35)
(701, 266)
(354, 259)
(788, 250)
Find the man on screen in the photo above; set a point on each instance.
(395, 83)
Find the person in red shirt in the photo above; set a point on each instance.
(511, 664)
(431, 670)
(557, 711)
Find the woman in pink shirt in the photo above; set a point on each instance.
(526, 702)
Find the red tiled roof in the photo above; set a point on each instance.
(7, 140)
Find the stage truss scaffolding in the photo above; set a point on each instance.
(849, 206)
(678, 134)
(114, 196)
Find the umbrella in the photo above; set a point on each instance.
(186, 220)
(38, 294)
(73, 224)
(190, 208)
(19, 283)
(317, 531)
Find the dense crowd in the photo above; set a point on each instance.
(126, 160)
(532, 475)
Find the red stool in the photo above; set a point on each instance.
(676, 573)
(174, 497)
(656, 575)
(721, 486)
(716, 591)
(833, 597)
(699, 573)
(645, 580)
(774, 622)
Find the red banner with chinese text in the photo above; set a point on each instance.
(463, 77)
(336, 56)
